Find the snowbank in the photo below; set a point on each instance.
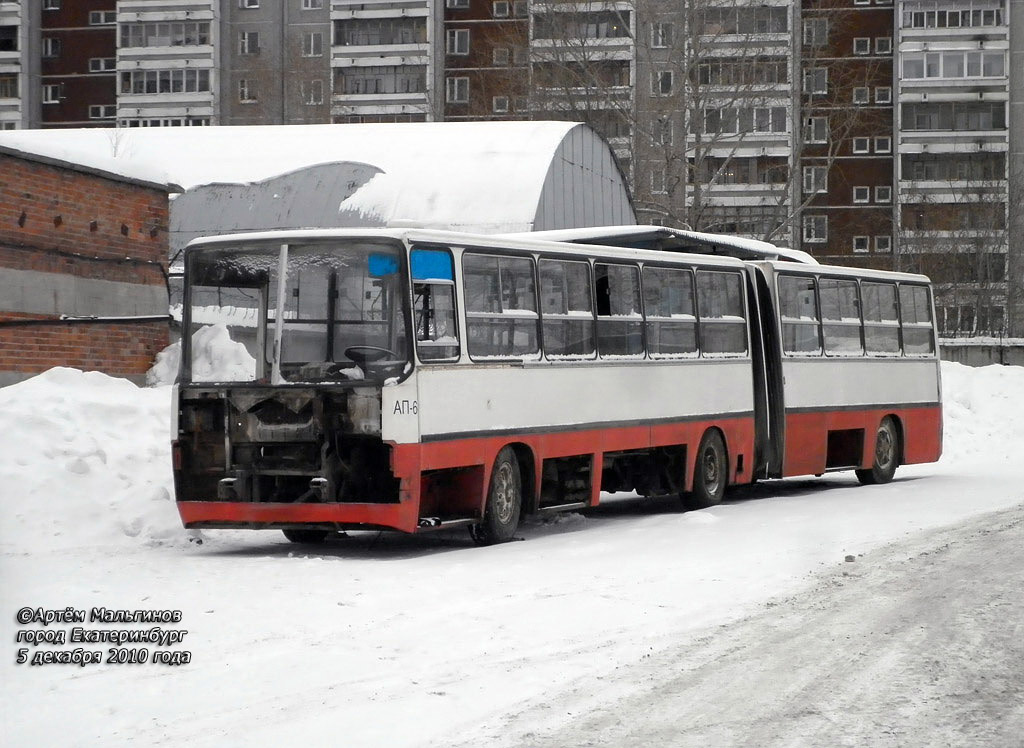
(84, 460)
(215, 358)
(983, 411)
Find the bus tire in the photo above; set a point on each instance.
(307, 537)
(504, 501)
(887, 455)
(711, 472)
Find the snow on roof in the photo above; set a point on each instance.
(40, 145)
(623, 235)
(437, 174)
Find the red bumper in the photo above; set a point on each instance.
(246, 514)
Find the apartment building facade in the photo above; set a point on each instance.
(881, 133)
(19, 62)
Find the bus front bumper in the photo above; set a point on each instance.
(337, 516)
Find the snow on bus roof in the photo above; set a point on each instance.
(669, 238)
(442, 173)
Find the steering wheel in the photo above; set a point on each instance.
(368, 354)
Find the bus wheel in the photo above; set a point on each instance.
(309, 537)
(504, 501)
(711, 473)
(887, 451)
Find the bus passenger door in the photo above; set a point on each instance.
(769, 404)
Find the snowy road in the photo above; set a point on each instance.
(419, 641)
(919, 643)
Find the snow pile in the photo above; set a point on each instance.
(85, 460)
(215, 358)
(983, 411)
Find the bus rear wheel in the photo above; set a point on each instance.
(504, 501)
(887, 452)
(711, 473)
(307, 537)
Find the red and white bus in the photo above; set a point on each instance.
(415, 380)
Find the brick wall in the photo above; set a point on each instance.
(56, 223)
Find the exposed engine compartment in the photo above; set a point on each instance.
(282, 445)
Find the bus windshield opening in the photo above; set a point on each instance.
(297, 313)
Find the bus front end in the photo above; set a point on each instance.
(287, 347)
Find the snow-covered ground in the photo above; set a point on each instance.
(396, 640)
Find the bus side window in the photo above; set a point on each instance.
(671, 317)
(619, 320)
(433, 299)
(916, 317)
(723, 324)
(799, 312)
(567, 309)
(881, 323)
(501, 307)
(840, 314)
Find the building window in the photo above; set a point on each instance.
(816, 32)
(499, 104)
(861, 244)
(861, 194)
(883, 144)
(815, 179)
(658, 180)
(456, 3)
(312, 4)
(457, 90)
(883, 95)
(815, 228)
(500, 56)
(519, 56)
(102, 64)
(500, 9)
(51, 4)
(248, 3)
(102, 111)
(249, 43)
(313, 93)
(8, 85)
(861, 95)
(176, 34)
(661, 35)
(51, 47)
(662, 132)
(816, 81)
(862, 145)
(102, 17)
(53, 93)
(883, 244)
(954, 64)
(191, 80)
(313, 44)
(883, 194)
(519, 9)
(816, 130)
(8, 125)
(661, 83)
(457, 41)
(9, 39)
(247, 91)
(883, 45)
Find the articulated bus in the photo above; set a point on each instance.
(416, 380)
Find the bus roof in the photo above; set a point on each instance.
(528, 241)
(675, 240)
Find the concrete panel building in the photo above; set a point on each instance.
(83, 256)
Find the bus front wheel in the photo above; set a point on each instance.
(711, 472)
(887, 452)
(504, 501)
